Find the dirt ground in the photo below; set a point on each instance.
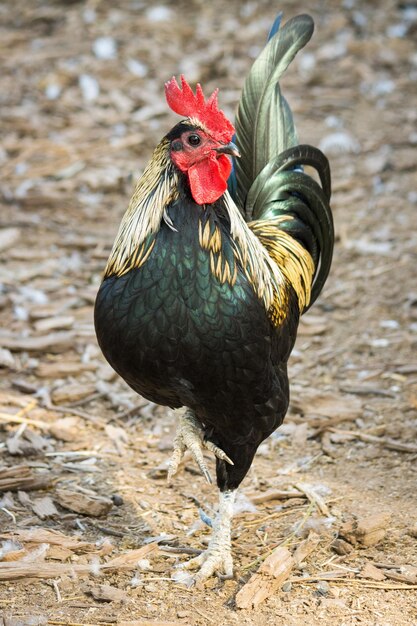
(82, 107)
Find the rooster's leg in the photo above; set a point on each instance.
(190, 435)
(218, 556)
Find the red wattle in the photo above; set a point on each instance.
(208, 178)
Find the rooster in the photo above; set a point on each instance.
(225, 243)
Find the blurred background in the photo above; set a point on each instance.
(82, 107)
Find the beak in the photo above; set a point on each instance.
(228, 148)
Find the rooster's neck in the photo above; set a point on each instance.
(155, 190)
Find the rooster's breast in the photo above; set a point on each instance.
(179, 336)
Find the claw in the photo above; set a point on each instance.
(207, 475)
(195, 449)
(209, 445)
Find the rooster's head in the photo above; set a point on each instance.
(199, 144)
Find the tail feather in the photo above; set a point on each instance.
(269, 184)
(265, 185)
(280, 190)
(264, 125)
(275, 26)
(313, 225)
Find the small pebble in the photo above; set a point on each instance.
(117, 500)
(137, 68)
(340, 142)
(323, 588)
(52, 91)
(89, 87)
(159, 14)
(287, 586)
(105, 48)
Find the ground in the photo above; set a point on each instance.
(80, 116)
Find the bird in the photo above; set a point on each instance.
(226, 242)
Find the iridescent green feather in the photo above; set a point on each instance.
(264, 125)
(270, 181)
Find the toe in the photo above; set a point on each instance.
(174, 462)
(193, 563)
(218, 452)
(222, 566)
(199, 458)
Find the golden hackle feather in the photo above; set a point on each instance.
(294, 261)
(262, 271)
(210, 238)
(155, 190)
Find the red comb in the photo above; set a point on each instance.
(185, 102)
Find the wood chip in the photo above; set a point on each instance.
(55, 342)
(45, 569)
(314, 497)
(107, 593)
(44, 508)
(118, 436)
(407, 574)
(267, 580)
(327, 447)
(273, 494)
(94, 506)
(24, 499)
(370, 571)
(14, 555)
(66, 428)
(29, 444)
(385, 442)
(340, 406)
(367, 390)
(59, 553)
(72, 393)
(52, 537)
(341, 547)
(23, 477)
(313, 325)
(8, 238)
(28, 620)
(371, 530)
(306, 547)
(61, 369)
(60, 322)
(7, 359)
(366, 531)
(410, 572)
(147, 622)
(129, 560)
(52, 309)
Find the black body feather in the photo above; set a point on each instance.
(179, 337)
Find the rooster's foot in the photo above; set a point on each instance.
(217, 559)
(190, 435)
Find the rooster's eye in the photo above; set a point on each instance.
(194, 140)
